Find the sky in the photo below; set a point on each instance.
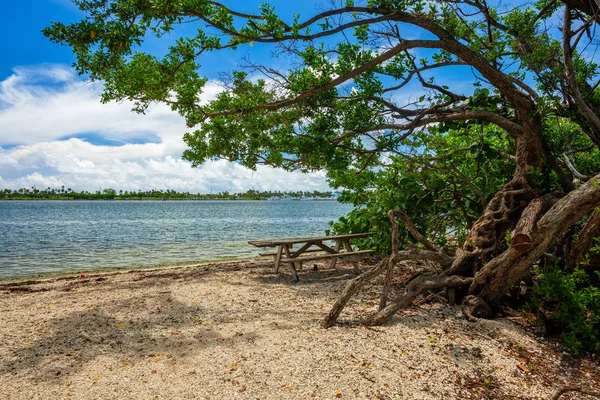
(54, 131)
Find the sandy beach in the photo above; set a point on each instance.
(236, 330)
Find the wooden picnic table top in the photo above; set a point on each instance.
(277, 242)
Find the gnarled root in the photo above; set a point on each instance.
(505, 270)
(414, 289)
(486, 286)
(474, 308)
(500, 213)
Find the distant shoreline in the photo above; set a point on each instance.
(154, 199)
(161, 195)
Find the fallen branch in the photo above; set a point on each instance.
(414, 289)
(351, 288)
(560, 392)
(357, 283)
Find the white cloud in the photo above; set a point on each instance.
(48, 103)
(44, 109)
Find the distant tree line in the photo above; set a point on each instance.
(111, 194)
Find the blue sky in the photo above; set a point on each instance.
(54, 131)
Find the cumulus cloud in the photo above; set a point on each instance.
(54, 131)
(49, 102)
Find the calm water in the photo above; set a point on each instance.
(57, 236)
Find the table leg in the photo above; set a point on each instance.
(292, 265)
(300, 251)
(349, 249)
(338, 245)
(278, 257)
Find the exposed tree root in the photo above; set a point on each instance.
(474, 308)
(414, 289)
(542, 224)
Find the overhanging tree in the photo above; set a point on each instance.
(338, 106)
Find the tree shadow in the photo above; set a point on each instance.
(81, 337)
(309, 275)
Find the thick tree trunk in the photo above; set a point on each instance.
(505, 208)
(521, 238)
(501, 273)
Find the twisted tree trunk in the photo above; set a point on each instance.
(497, 276)
(505, 208)
(494, 280)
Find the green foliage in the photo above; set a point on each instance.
(571, 300)
(464, 169)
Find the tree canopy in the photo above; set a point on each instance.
(474, 117)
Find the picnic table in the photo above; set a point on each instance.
(286, 254)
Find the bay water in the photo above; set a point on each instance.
(45, 237)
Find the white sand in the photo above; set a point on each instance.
(235, 330)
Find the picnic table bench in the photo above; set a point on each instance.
(286, 254)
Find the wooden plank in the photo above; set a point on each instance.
(290, 260)
(349, 249)
(328, 256)
(338, 245)
(302, 249)
(278, 258)
(274, 253)
(275, 242)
